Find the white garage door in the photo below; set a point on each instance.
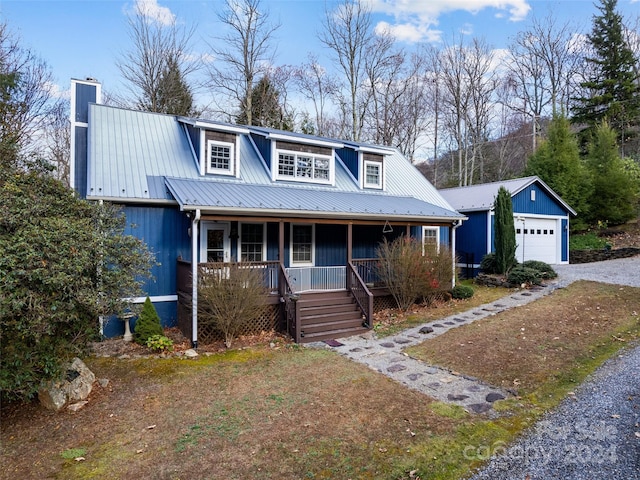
(537, 239)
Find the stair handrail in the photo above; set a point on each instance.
(363, 296)
(290, 302)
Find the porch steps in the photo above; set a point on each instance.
(329, 315)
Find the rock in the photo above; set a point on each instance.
(396, 368)
(74, 387)
(426, 330)
(191, 353)
(456, 398)
(387, 344)
(493, 396)
(74, 407)
(480, 407)
(104, 382)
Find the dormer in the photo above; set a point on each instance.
(216, 146)
(297, 158)
(366, 164)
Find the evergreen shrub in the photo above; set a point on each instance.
(546, 271)
(521, 274)
(460, 292)
(148, 323)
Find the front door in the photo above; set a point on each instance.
(214, 242)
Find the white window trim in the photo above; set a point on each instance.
(232, 158)
(276, 167)
(364, 175)
(264, 239)
(435, 229)
(313, 246)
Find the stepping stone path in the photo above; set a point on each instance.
(387, 356)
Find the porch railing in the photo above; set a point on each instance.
(359, 290)
(367, 269)
(291, 307)
(304, 279)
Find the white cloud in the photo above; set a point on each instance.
(418, 17)
(407, 32)
(152, 11)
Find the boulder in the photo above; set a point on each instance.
(75, 386)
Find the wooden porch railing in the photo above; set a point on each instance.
(364, 298)
(291, 306)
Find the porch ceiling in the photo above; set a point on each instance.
(293, 201)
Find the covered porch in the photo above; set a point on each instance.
(317, 289)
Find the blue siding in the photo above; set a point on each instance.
(444, 236)
(331, 245)
(85, 94)
(194, 136)
(264, 147)
(167, 311)
(165, 231)
(471, 237)
(350, 159)
(544, 204)
(272, 241)
(366, 239)
(565, 240)
(80, 161)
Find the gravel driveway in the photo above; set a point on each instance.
(594, 434)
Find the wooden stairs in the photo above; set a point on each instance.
(329, 315)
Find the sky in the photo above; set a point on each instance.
(85, 38)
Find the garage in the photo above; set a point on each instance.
(537, 239)
(541, 221)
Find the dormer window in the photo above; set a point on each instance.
(220, 157)
(372, 174)
(304, 163)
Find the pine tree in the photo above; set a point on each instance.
(266, 110)
(612, 90)
(614, 197)
(505, 232)
(557, 162)
(174, 94)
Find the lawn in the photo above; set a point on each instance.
(293, 412)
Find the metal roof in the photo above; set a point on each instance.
(131, 152)
(481, 197)
(211, 196)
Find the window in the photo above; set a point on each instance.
(303, 166)
(220, 157)
(302, 244)
(252, 242)
(430, 238)
(372, 174)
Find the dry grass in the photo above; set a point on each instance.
(525, 347)
(291, 412)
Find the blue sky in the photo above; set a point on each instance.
(84, 38)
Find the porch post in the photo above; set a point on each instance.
(281, 242)
(408, 231)
(349, 254)
(452, 234)
(194, 279)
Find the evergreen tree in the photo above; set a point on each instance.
(614, 197)
(505, 232)
(557, 162)
(612, 90)
(265, 107)
(174, 94)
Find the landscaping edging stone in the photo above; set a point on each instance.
(589, 256)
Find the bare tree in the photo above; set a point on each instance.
(317, 87)
(243, 55)
(543, 65)
(58, 142)
(28, 95)
(347, 33)
(158, 63)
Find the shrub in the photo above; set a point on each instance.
(488, 263)
(159, 343)
(460, 292)
(505, 233)
(545, 269)
(521, 274)
(148, 323)
(586, 241)
(229, 297)
(411, 272)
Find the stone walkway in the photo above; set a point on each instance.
(386, 355)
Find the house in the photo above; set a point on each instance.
(309, 211)
(541, 220)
